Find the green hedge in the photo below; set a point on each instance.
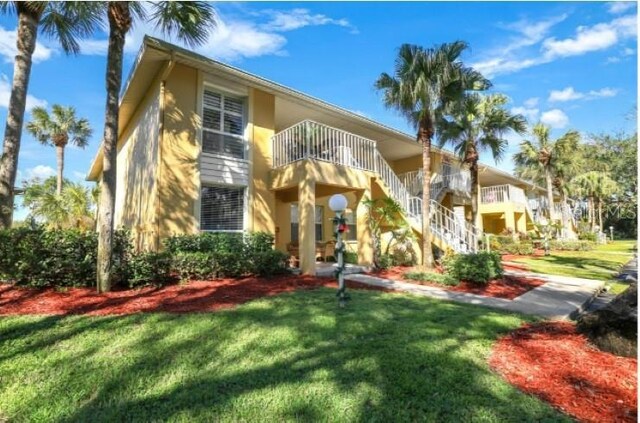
(518, 248)
(478, 268)
(39, 257)
(571, 245)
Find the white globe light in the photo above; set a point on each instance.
(338, 203)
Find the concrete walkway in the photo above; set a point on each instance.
(560, 298)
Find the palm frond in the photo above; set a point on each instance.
(190, 21)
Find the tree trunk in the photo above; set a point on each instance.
(600, 214)
(564, 207)
(547, 174)
(119, 24)
(60, 162)
(424, 135)
(26, 43)
(592, 217)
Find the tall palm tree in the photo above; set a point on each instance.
(424, 84)
(191, 22)
(478, 123)
(64, 21)
(59, 129)
(545, 156)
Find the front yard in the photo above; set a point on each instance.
(601, 263)
(295, 356)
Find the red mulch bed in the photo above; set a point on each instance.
(197, 296)
(553, 362)
(508, 287)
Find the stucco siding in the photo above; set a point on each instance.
(137, 165)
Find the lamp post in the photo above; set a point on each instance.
(338, 204)
(611, 232)
(545, 228)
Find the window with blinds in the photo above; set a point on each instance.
(221, 208)
(294, 222)
(223, 125)
(352, 234)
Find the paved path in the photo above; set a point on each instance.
(628, 273)
(560, 298)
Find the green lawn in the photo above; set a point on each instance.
(601, 263)
(386, 357)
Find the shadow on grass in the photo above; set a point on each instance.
(385, 357)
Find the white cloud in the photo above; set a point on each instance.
(594, 38)
(510, 58)
(8, 48)
(299, 18)
(80, 176)
(40, 172)
(5, 94)
(530, 113)
(616, 7)
(232, 39)
(555, 118)
(531, 102)
(569, 94)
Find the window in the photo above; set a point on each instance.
(294, 222)
(223, 125)
(221, 208)
(351, 219)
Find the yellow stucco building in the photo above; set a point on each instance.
(204, 146)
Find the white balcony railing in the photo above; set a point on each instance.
(456, 180)
(312, 140)
(502, 194)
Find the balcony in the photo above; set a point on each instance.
(457, 180)
(503, 194)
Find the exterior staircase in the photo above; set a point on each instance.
(312, 140)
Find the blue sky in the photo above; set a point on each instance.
(572, 65)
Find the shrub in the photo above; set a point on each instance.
(571, 245)
(498, 242)
(190, 265)
(519, 248)
(478, 268)
(149, 269)
(269, 263)
(385, 261)
(403, 256)
(443, 279)
(588, 236)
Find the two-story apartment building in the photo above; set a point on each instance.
(204, 146)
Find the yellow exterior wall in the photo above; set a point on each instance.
(262, 201)
(137, 165)
(179, 182)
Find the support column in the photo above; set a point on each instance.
(307, 225)
(510, 221)
(521, 222)
(365, 240)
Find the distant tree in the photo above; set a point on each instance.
(425, 83)
(479, 123)
(597, 186)
(59, 129)
(74, 208)
(64, 21)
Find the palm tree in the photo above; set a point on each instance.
(544, 156)
(58, 129)
(596, 186)
(64, 21)
(191, 22)
(71, 209)
(476, 124)
(424, 84)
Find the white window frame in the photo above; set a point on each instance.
(317, 221)
(244, 115)
(245, 207)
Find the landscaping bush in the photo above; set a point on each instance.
(498, 242)
(66, 257)
(518, 248)
(588, 236)
(478, 268)
(439, 278)
(385, 261)
(270, 263)
(189, 265)
(571, 245)
(149, 269)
